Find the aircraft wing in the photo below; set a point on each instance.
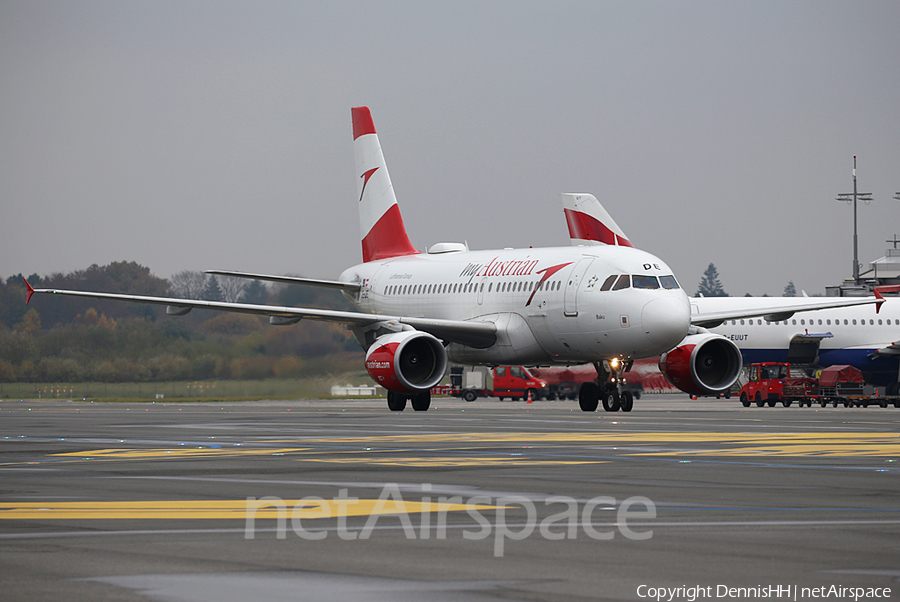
(472, 333)
(336, 284)
(776, 311)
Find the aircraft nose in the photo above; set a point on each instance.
(666, 320)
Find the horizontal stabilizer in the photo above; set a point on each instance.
(892, 349)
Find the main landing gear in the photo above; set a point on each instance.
(606, 389)
(397, 401)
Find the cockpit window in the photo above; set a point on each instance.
(645, 281)
(607, 284)
(669, 282)
(623, 282)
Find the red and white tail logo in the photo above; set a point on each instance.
(381, 226)
(589, 223)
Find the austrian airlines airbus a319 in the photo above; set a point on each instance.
(604, 302)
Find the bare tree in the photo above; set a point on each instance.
(187, 284)
(232, 288)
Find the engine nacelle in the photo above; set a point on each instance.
(702, 364)
(407, 362)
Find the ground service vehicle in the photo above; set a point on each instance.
(765, 384)
(771, 382)
(515, 382)
(836, 384)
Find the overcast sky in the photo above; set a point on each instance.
(217, 135)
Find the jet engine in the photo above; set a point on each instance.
(702, 364)
(407, 362)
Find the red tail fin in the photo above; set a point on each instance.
(381, 225)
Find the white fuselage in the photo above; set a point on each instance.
(849, 335)
(547, 303)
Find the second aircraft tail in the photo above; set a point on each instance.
(589, 223)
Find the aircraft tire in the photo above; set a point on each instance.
(421, 402)
(611, 401)
(626, 403)
(588, 397)
(396, 401)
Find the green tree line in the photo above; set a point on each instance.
(68, 339)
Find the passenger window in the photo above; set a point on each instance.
(623, 282)
(607, 284)
(668, 282)
(640, 281)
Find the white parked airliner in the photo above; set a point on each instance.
(607, 304)
(857, 336)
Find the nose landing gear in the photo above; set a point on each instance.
(607, 388)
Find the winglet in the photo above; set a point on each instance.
(30, 291)
(879, 302)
